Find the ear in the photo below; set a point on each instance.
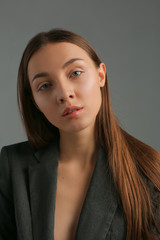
(102, 74)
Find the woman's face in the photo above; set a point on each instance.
(62, 75)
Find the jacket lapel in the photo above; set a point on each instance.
(42, 184)
(99, 205)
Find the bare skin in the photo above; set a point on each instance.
(53, 91)
(72, 187)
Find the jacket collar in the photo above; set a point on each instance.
(99, 205)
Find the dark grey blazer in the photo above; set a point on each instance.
(28, 192)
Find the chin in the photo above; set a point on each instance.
(77, 127)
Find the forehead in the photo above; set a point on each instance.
(58, 53)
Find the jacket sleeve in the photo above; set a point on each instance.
(7, 215)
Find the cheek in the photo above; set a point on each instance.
(44, 104)
(90, 91)
(49, 110)
(88, 85)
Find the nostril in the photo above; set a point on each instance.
(61, 100)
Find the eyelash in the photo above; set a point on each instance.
(45, 84)
(48, 84)
(77, 71)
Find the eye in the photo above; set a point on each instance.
(44, 86)
(76, 73)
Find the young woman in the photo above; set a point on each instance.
(80, 175)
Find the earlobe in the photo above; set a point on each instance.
(102, 74)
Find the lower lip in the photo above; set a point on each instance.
(74, 114)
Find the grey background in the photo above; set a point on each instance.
(125, 34)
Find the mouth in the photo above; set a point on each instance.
(70, 110)
(73, 112)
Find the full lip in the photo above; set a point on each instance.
(66, 110)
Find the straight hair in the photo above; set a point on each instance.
(134, 166)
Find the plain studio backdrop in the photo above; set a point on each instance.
(125, 34)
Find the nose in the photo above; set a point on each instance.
(64, 93)
(63, 99)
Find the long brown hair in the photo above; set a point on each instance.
(134, 165)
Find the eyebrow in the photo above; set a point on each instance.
(45, 74)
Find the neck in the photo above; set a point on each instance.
(78, 148)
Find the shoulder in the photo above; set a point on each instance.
(24, 153)
(155, 199)
(18, 148)
(155, 195)
(19, 153)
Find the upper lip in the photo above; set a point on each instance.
(66, 110)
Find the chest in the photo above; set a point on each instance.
(71, 192)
